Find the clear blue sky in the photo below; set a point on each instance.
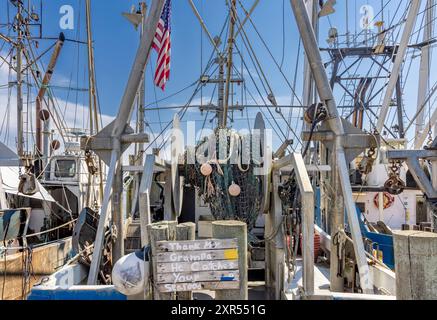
(116, 42)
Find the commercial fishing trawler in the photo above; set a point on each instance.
(301, 166)
(45, 178)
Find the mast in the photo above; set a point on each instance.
(396, 70)
(347, 24)
(221, 90)
(142, 91)
(229, 63)
(93, 107)
(424, 70)
(94, 114)
(19, 49)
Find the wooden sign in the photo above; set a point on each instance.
(196, 265)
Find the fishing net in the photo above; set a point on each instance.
(234, 160)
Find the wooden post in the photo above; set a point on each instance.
(234, 230)
(415, 262)
(162, 231)
(186, 231)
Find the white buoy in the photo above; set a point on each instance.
(130, 274)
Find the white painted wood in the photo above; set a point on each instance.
(211, 244)
(205, 276)
(191, 256)
(218, 265)
(307, 193)
(195, 265)
(226, 285)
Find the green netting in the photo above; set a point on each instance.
(214, 189)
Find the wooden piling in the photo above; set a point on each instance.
(416, 265)
(161, 231)
(234, 230)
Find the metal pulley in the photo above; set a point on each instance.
(28, 184)
(394, 185)
(366, 164)
(316, 111)
(91, 164)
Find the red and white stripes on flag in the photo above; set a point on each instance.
(162, 45)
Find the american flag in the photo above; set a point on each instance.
(162, 45)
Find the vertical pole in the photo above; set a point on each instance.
(336, 224)
(424, 68)
(221, 91)
(142, 93)
(46, 148)
(93, 109)
(431, 217)
(234, 230)
(400, 107)
(90, 93)
(117, 211)
(275, 247)
(326, 95)
(139, 148)
(231, 40)
(400, 56)
(307, 193)
(19, 48)
(347, 24)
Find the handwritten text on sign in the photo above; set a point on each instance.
(197, 265)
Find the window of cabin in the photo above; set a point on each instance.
(65, 169)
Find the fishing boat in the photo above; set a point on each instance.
(45, 179)
(328, 193)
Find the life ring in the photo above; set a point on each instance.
(388, 200)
